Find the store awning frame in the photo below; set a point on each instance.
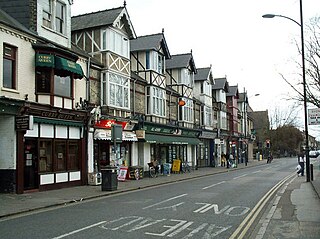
(171, 139)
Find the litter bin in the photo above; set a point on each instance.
(109, 178)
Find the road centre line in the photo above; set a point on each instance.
(213, 185)
(167, 200)
(79, 230)
(241, 176)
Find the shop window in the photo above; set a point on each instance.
(62, 84)
(73, 156)
(60, 155)
(45, 153)
(9, 66)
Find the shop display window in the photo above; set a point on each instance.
(73, 156)
(60, 155)
(45, 153)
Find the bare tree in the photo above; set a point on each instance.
(284, 117)
(312, 62)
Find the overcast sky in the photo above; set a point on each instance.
(231, 35)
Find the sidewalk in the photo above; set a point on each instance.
(295, 211)
(307, 213)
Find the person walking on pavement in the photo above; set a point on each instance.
(223, 160)
(301, 163)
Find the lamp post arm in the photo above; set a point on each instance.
(289, 18)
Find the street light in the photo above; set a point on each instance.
(304, 84)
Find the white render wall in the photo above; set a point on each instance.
(7, 142)
(25, 65)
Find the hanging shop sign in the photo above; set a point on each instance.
(24, 122)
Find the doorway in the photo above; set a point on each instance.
(31, 176)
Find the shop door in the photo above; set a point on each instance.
(31, 177)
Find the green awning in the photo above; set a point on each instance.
(60, 63)
(44, 60)
(171, 139)
(67, 65)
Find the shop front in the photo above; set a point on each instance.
(108, 153)
(51, 151)
(166, 144)
(209, 155)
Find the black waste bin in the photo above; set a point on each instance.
(109, 178)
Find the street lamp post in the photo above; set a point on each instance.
(245, 116)
(304, 84)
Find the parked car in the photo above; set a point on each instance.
(314, 153)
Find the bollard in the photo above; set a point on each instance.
(311, 171)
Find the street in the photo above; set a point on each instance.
(216, 206)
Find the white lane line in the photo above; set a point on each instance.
(79, 230)
(256, 172)
(167, 200)
(213, 185)
(240, 176)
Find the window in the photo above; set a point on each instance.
(62, 84)
(155, 61)
(60, 17)
(208, 116)
(45, 152)
(115, 42)
(119, 90)
(156, 99)
(60, 155)
(73, 156)
(47, 12)
(186, 111)
(185, 77)
(54, 18)
(9, 66)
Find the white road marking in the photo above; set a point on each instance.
(213, 185)
(256, 172)
(167, 200)
(240, 176)
(79, 230)
(173, 207)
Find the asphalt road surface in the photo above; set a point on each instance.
(217, 206)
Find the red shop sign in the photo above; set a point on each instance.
(106, 124)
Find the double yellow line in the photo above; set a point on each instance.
(243, 228)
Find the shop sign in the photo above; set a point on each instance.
(107, 124)
(24, 122)
(141, 134)
(56, 115)
(158, 129)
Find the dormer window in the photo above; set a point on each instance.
(155, 61)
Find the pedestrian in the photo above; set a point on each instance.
(270, 158)
(301, 163)
(230, 160)
(223, 160)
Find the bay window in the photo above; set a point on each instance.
(118, 90)
(186, 111)
(115, 42)
(155, 61)
(156, 99)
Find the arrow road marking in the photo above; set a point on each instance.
(167, 200)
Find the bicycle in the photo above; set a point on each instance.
(153, 170)
(185, 167)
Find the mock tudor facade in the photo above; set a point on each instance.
(66, 80)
